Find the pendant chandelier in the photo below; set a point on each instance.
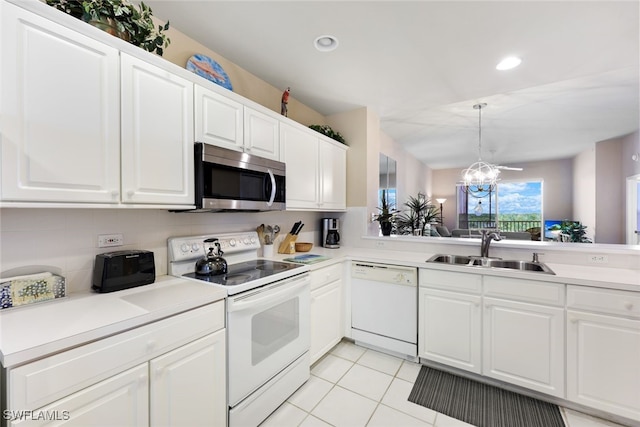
(479, 180)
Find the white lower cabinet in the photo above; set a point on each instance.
(170, 372)
(121, 400)
(503, 328)
(188, 385)
(450, 328)
(603, 350)
(450, 321)
(523, 339)
(326, 309)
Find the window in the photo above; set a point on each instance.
(513, 206)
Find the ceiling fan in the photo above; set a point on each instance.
(504, 168)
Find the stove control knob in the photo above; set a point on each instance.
(246, 241)
(232, 242)
(253, 239)
(195, 247)
(184, 247)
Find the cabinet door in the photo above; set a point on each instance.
(333, 176)
(326, 322)
(59, 113)
(261, 134)
(603, 369)
(218, 119)
(524, 345)
(300, 153)
(157, 135)
(188, 385)
(449, 328)
(122, 400)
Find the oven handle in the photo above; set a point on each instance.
(273, 188)
(268, 295)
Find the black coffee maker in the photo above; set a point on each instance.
(330, 233)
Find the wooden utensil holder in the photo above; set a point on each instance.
(288, 245)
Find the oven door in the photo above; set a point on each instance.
(268, 328)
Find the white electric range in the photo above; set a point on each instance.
(268, 312)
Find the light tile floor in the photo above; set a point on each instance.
(354, 386)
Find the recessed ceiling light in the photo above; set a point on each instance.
(325, 43)
(508, 63)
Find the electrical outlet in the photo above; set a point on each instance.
(108, 240)
(598, 259)
(379, 244)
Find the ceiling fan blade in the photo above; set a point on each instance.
(508, 168)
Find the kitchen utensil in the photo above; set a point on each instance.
(269, 235)
(299, 228)
(260, 231)
(212, 264)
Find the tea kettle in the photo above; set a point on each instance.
(212, 264)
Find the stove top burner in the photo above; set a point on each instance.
(238, 274)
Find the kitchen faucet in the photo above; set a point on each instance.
(487, 237)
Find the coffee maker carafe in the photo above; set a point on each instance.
(330, 233)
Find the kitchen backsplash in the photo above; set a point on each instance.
(67, 239)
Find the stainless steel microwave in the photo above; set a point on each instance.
(232, 180)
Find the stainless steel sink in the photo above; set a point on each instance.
(471, 261)
(451, 259)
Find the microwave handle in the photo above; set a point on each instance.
(273, 188)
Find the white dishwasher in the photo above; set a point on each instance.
(384, 306)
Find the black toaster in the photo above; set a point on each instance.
(114, 271)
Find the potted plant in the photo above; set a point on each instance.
(575, 232)
(119, 18)
(385, 217)
(419, 217)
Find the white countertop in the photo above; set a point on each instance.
(29, 332)
(603, 277)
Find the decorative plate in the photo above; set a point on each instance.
(209, 69)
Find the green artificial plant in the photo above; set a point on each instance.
(119, 18)
(327, 131)
(420, 212)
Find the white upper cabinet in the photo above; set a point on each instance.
(298, 153)
(224, 122)
(333, 179)
(59, 113)
(157, 135)
(316, 170)
(261, 134)
(218, 119)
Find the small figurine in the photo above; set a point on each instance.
(284, 102)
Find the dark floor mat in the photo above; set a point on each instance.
(481, 404)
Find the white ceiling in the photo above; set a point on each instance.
(422, 65)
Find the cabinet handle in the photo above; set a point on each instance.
(130, 193)
(115, 194)
(628, 305)
(573, 320)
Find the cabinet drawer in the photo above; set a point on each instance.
(527, 290)
(325, 275)
(450, 281)
(39, 383)
(610, 301)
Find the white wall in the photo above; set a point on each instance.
(67, 238)
(584, 190)
(610, 193)
(412, 175)
(556, 176)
